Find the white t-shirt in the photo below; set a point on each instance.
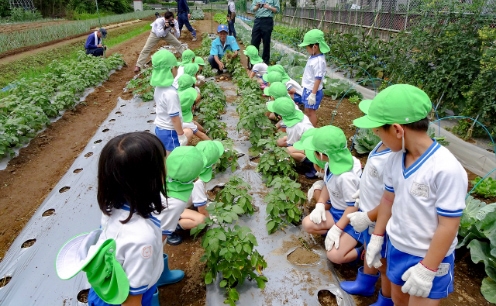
(259, 69)
(294, 133)
(314, 69)
(180, 72)
(371, 181)
(191, 126)
(158, 27)
(167, 106)
(138, 247)
(357, 166)
(341, 187)
(232, 6)
(293, 84)
(169, 217)
(435, 185)
(199, 195)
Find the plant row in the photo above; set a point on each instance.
(30, 105)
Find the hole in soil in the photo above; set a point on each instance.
(111, 120)
(302, 256)
(240, 154)
(118, 112)
(106, 130)
(77, 170)
(28, 243)
(98, 141)
(148, 131)
(88, 154)
(212, 193)
(123, 105)
(48, 212)
(153, 113)
(4, 281)
(64, 189)
(326, 298)
(150, 121)
(83, 295)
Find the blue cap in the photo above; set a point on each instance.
(222, 27)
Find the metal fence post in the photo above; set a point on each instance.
(406, 15)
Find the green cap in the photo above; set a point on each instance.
(315, 36)
(185, 81)
(187, 57)
(184, 164)
(271, 77)
(199, 60)
(331, 141)
(162, 62)
(281, 70)
(310, 154)
(191, 69)
(97, 258)
(187, 98)
(276, 90)
(285, 107)
(212, 150)
(252, 53)
(400, 103)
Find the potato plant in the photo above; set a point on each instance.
(228, 160)
(141, 85)
(236, 192)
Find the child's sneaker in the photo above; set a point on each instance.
(194, 39)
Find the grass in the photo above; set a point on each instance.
(36, 65)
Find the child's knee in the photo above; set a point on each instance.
(336, 257)
(308, 225)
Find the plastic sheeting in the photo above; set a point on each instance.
(34, 280)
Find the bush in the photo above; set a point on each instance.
(20, 14)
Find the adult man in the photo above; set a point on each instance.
(162, 28)
(183, 16)
(231, 17)
(264, 23)
(220, 45)
(94, 44)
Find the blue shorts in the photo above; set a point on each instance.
(398, 262)
(146, 299)
(318, 98)
(336, 215)
(366, 239)
(297, 98)
(168, 138)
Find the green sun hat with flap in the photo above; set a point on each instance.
(310, 154)
(279, 68)
(191, 69)
(331, 141)
(199, 60)
(212, 150)
(315, 36)
(187, 57)
(184, 164)
(276, 90)
(252, 53)
(187, 97)
(400, 103)
(271, 77)
(162, 63)
(285, 107)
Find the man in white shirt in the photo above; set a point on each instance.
(162, 28)
(231, 17)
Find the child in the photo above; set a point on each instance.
(187, 57)
(315, 71)
(271, 77)
(422, 203)
(259, 67)
(168, 119)
(371, 189)
(187, 95)
(294, 89)
(201, 63)
(212, 150)
(131, 177)
(326, 147)
(276, 90)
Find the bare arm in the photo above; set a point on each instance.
(343, 222)
(324, 196)
(316, 86)
(443, 237)
(217, 60)
(178, 126)
(384, 213)
(203, 210)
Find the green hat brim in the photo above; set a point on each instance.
(182, 195)
(364, 106)
(310, 154)
(290, 121)
(340, 162)
(266, 91)
(162, 77)
(255, 60)
(188, 117)
(264, 77)
(366, 123)
(206, 175)
(300, 144)
(270, 105)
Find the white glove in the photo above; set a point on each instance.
(318, 214)
(319, 174)
(201, 78)
(356, 196)
(312, 99)
(418, 280)
(359, 220)
(373, 253)
(332, 238)
(317, 185)
(183, 140)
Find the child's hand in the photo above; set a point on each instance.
(373, 254)
(332, 238)
(359, 220)
(318, 214)
(312, 98)
(317, 185)
(418, 280)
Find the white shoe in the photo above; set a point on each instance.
(194, 39)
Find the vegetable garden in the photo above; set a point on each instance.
(256, 183)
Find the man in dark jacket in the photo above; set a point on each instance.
(94, 44)
(183, 16)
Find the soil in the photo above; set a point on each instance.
(30, 177)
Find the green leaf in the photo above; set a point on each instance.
(208, 278)
(247, 248)
(270, 226)
(488, 289)
(223, 283)
(260, 282)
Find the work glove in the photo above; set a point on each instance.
(312, 99)
(201, 78)
(317, 185)
(359, 220)
(319, 174)
(183, 140)
(356, 196)
(373, 254)
(318, 214)
(418, 280)
(332, 238)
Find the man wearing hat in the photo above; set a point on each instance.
(94, 44)
(263, 25)
(220, 45)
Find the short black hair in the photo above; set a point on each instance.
(168, 15)
(421, 126)
(131, 170)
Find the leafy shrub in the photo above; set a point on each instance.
(340, 88)
(485, 188)
(236, 193)
(364, 141)
(228, 160)
(141, 85)
(20, 14)
(197, 14)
